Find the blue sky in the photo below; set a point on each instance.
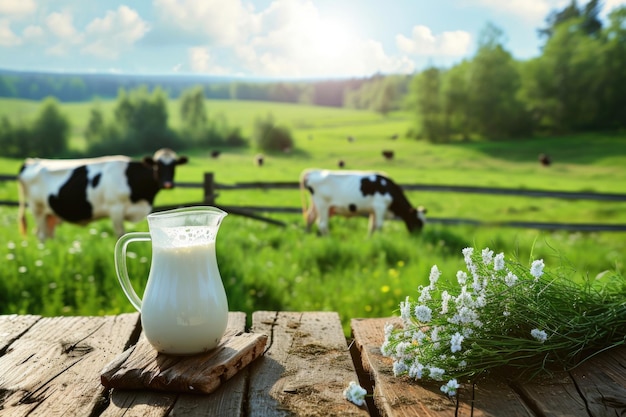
(261, 38)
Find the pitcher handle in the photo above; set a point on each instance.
(120, 265)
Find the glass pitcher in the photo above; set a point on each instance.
(184, 309)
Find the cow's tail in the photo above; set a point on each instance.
(22, 207)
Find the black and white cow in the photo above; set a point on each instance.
(349, 193)
(82, 190)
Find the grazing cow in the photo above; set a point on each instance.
(259, 160)
(215, 154)
(341, 163)
(82, 190)
(545, 160)
(388, 155)
(349, 193)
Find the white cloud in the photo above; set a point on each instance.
(7, 37)
(200, 61)
(117, 31)
(424, 42)
(61, 25)
(293, 39)
(33, 33)
(219, 22)
(17, 8)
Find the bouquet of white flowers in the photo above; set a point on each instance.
(500, 313)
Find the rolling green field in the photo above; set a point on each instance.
(268, 267)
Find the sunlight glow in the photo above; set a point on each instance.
(330, 40)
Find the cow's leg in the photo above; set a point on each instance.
(51, 223)
(377, 217)
(117, 217)
(322, 219)
(41, 220)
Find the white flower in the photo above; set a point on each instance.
(436, 373)
(487, 255)
(536, 269)
(510, 279)
(405, 311)
(434, 276)
(399, 368)
(467, 255)
(540, 335)
(450, 388)
(498, 262)
(461, 277)
(455, 342)
(445, 300)
(355, 393)
(416, 370)
(425, 295)
(423, 313)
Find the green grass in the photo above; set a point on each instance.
(268, 267)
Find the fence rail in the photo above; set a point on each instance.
(210, 186)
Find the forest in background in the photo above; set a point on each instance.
(577, 84)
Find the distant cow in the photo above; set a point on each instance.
(259, 160)
(215, 154)
(388, 155)
(341, 163)
(82, 190)
(349, 193)
(545, 160)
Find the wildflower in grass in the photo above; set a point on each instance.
(39, 263)
(434, 276)
(493, 315)
(423, 313)
(10, 256)
(498, 262)
(11, 245)
(540, 335)
(22, 269)
(355, 393)
(455, 342)
(450, 388)
(536, 270)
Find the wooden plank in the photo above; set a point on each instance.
(12, 326)
(53, 369)
(602, 383)
(401, 396)
(305, 369)
(226, 401)
(142, 367)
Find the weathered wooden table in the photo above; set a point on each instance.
(52, 367)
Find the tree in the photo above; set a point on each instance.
(50, 130)
(566, 79)
(192, 109)
(95, 126)
(270, 137)
(587, 17)
(494, 110)
(426, 102)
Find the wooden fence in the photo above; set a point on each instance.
(211, 188)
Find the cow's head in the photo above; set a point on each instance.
(416, 219)
(164, 164)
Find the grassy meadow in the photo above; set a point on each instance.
(264, 266)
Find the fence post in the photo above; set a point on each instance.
(209, 188)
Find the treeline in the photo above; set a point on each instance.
(578, 83)
(86, 87)
(138, 124)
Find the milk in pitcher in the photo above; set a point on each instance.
(184, 300)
